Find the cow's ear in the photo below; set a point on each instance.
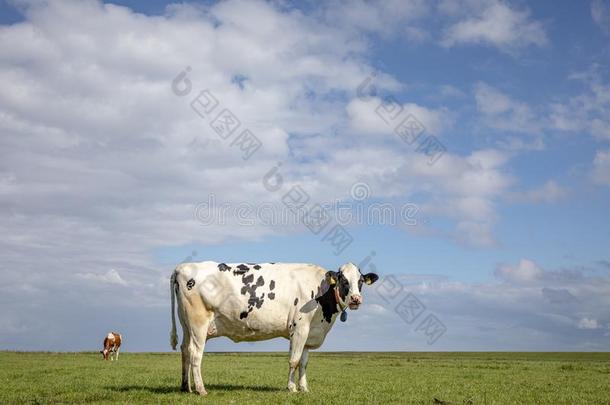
(370, 278)
(331, 277)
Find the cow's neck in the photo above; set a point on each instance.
(329, 304)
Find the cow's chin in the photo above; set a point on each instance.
(354, 307)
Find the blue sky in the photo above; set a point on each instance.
(105, 169)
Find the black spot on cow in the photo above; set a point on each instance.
(190, 284)
(257, 267)
(329, 305)
(272, 285)
(328, 300)
(271, 296)
(294, 324)
(248, 279)
(243, 315)
(249, 288)
(241, 269)
(255, 301)
(342, 285)
(312, 295)
(296, 301)
(223, 267)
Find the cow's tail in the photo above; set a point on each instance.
(173, 339)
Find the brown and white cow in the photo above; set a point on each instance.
(112, 344)
(252, 302)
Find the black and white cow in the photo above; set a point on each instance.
(252, 302)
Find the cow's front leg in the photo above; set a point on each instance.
(297, 344)
(302, 371)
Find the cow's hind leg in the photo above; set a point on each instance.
(195, 348)
(186, 362)
(198, 328)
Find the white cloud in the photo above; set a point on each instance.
(488, 158)
(505, 113)
(365, 119)
(111, 277)
(526, 271)
(494, 23)
(587, 323)
(600, 12)
(549, 192)
(540, 310)
(385, 18)
(601, 168)
(477, 234)
(587, 112)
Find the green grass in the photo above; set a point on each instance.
(455, 378)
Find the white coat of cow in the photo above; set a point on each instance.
(252, 302)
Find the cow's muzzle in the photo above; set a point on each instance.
(355, 301)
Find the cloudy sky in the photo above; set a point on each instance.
(482, 125)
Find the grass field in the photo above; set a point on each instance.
(452, 378)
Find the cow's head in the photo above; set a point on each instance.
(347, 283)
(104, 353)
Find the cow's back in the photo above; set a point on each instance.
(118, 339)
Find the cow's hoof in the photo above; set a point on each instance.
(292, 387)
(304, 389)
(201, 391)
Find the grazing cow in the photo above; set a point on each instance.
(112, 344)
(252, 302)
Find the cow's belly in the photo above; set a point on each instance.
(247, 330)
